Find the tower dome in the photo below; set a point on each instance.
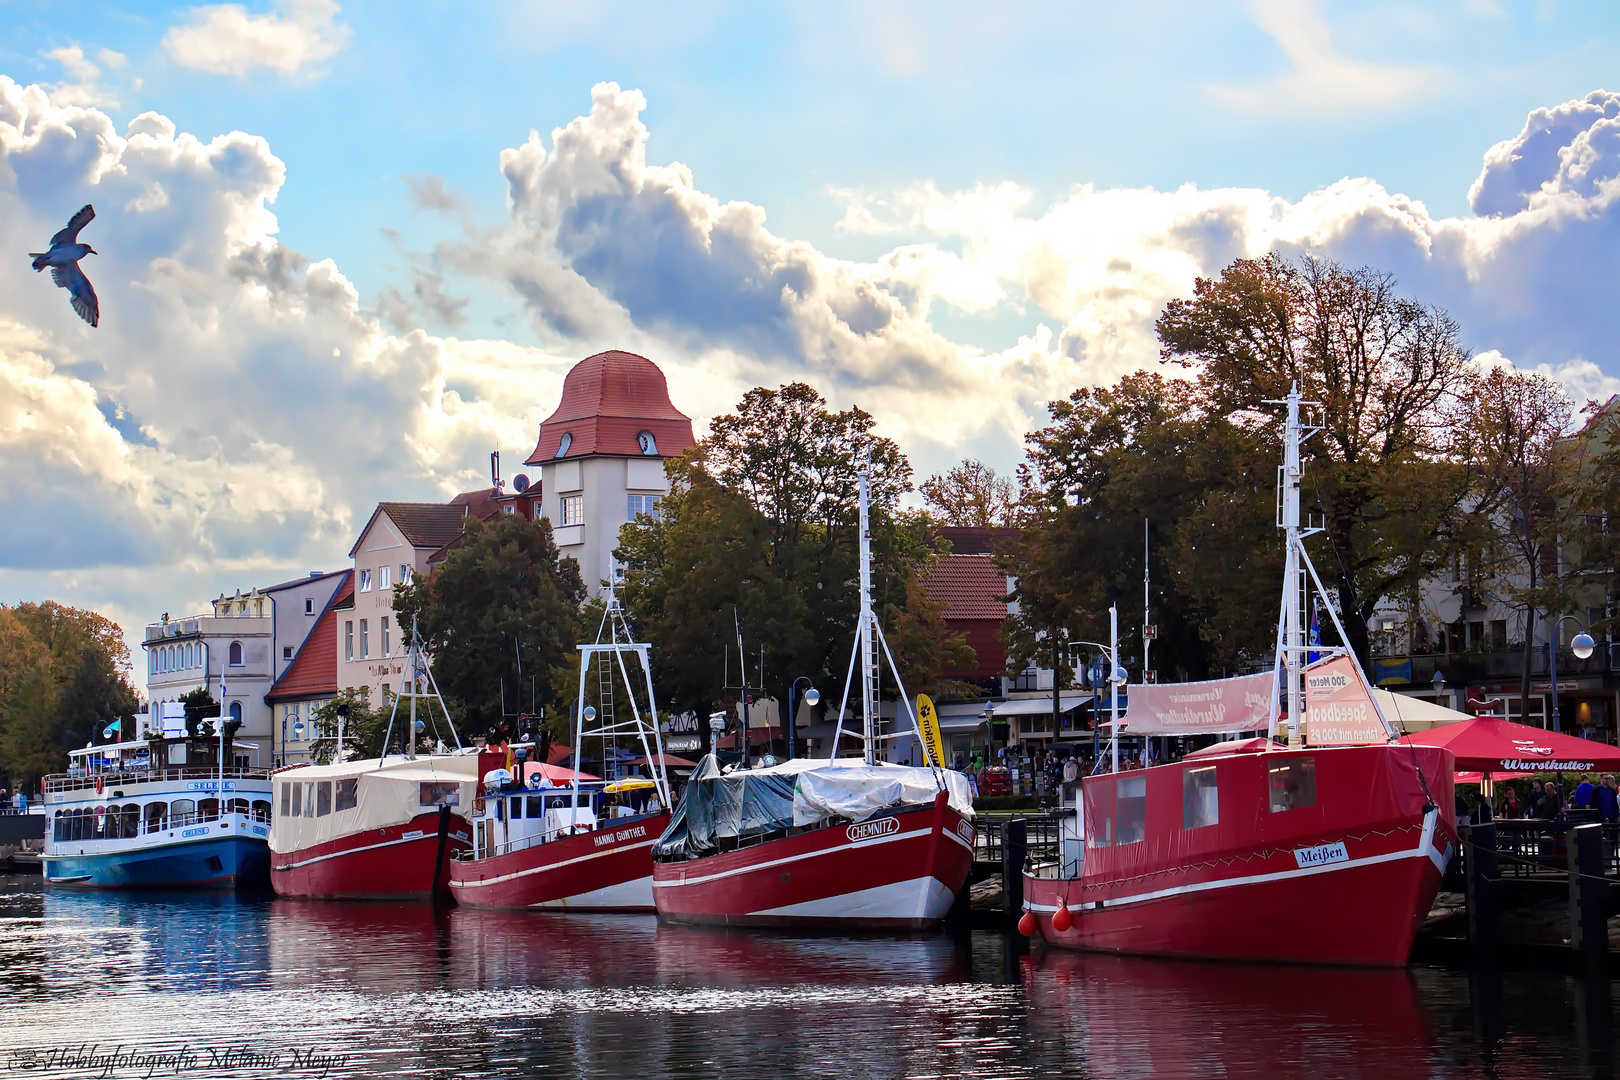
(613, 404)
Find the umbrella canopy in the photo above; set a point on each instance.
(628, 785)
(1492, 745)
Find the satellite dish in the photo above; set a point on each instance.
(520, 483)
(564, 443)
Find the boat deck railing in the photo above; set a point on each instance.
(526, 842)
(1044, 832)
(1533, 848)
(61, 782)
(128, 827)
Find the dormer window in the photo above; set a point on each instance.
(648, 444)
(564, 443)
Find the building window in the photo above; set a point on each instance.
(405, 573)
(386, 643)
(286, 652)
(573, 510)
(382, 577)
(509, 508)
(365, 640)
(348, 640)
(365, 581)
(648, 444)
(236, 654)
(236, 711)
(309, 605)
(644, 504)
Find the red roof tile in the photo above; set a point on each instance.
(969, 586)
(607, 401)
(313, 672)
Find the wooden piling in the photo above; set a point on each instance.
(1479, 884)
(1014, 847)
(1588, 892)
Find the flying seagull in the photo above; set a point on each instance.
(63, 259)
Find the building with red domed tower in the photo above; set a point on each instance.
(601, 455)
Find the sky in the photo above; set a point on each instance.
(344, 251)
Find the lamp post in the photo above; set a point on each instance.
(1581, 645)
(1439, 683)
(811, 697)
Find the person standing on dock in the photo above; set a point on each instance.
(1549, 805)
(1609, 798)
(1511, 806)
(1583, 794)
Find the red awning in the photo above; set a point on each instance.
(1493, 745)
(555, 773)
(670, 761)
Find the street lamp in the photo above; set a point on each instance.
(1438, 682)
(1581, 645)
(811, 697)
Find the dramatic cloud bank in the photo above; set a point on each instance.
(242, 407)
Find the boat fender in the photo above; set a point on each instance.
(1026, 924)
(1061, 919)
(100, 783)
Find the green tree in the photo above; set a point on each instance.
(1386, 371)
(501, 607)
(971, 494)
(364, 726)
(64, 677)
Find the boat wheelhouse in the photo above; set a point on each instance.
(380, 828)
(585, 846)
(833, 843)
(173, 811)
(1329, 849)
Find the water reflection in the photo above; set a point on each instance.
(391, 988)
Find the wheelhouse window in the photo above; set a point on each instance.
(347, 795)
(286, 800)
(157, 816)
(1293, 784)
(1200, 805)
(181, 812)
(323, 798)
(309, 798)
(1130, 809)
(297, 809)
(437, 794)
(261, 809)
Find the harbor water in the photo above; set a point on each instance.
(199, 985)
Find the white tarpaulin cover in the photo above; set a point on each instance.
(857, 792)
(390, 795)
(1214, 707)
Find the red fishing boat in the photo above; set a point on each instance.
(371, 829)
(585, 846)
(1329, 849)
(846, 843)
(379, 828)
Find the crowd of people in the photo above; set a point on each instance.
(1545, 800)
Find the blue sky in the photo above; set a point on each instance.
(337, 267)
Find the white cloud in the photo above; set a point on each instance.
(1320, 79)
(240, 408)
(86, 88)
(223, 39)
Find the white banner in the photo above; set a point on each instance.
(1216, 707)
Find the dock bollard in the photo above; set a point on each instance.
(1588, 892)
(1014, 846)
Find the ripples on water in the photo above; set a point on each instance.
(402, 990)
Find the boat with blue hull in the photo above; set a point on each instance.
(181, 810)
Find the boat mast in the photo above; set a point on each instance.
(1294, 630)
(868, 668)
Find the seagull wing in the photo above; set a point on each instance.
(70, 235)
(71, 278)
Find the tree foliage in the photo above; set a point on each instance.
(364, 726)
(971, 494)
(502, 607)
(64, 677)
(759, 529)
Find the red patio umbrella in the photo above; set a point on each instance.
(670, 762)
(1490, 744)
(555, 773)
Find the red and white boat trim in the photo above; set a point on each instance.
(607, 869)
(900, 870)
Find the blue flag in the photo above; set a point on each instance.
(1316, 634)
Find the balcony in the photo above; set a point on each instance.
(1465, 668)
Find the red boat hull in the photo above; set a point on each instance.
(609, 869)
(898, 871)
(1346, 882)
(394, 863)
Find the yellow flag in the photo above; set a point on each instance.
(928, 722)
